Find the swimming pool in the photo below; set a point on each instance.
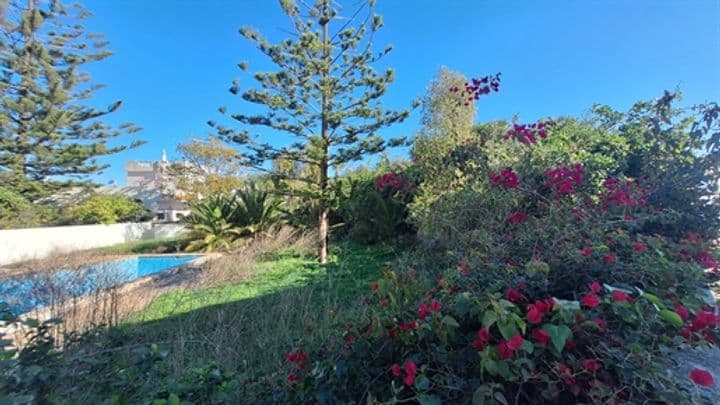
(25, 293)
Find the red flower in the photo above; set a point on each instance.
(590, 300)
(609, 258)
(515, 342)
(293, 378)
(384, 302)
(702, 320)
(516, 217)
(706, 260)
(435, 306)
(595, 287)
(504, 350)
(484, 334)
(297, 357)
(681, 310)
(406, 326)
(479, 344)
(702, 378)
(591, 365)
(540, 336)
(639, 247)
(464, 269)
(349, 340)
(534, 314)
(586, 251)
(423, 311)
(373, 286)
(620, 296)
(410, 372)
(395, 369)
(513, 295)
(506, 178)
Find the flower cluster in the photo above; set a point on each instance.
(516, 218)
(528, 133)
(424, 309)
(478, 87)
(409, 369)
(298, 359)
(392, 180)
(626, 195)
(537, 310)
(563, 179)
(506, 178)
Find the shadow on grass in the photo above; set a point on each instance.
(247, 327)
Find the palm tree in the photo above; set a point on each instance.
(213, 224)
(257, 210)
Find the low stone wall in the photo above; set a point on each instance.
(34, 243)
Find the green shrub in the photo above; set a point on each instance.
(219, 221)
(374, 208)
(107, 209)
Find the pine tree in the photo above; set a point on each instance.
(49, 136)
(325, 94)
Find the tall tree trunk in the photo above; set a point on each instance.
(323, 220)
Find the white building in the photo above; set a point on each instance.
(149, 182)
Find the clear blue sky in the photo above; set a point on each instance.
(175, 59)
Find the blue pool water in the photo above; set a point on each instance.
(26, 293)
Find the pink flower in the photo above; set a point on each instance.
(590, 300)
(384, 302)
(591, 365)
(639, 247)
(396, 370)
(484, 334)
(513, 295)
(293, 378)
(620, 296)
(423, 311)
(541, 336)
(595, 287)
(534, 315)
(702, 320)
(410, 372)
(435, 306)
(515, 342)
(586, 251)
(515, 218)
(506, 178)
(702, 378)
(565, 373)
(504, 350)
(681, 310)
(609, 258)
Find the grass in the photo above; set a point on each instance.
(288, 301)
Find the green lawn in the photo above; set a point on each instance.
(290, 300)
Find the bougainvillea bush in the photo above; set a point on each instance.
(556, 284)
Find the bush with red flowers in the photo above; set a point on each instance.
(550, 282)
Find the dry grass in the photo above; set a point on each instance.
(237, 266)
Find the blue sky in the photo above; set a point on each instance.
(175, 59)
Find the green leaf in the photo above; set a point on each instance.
(507, 329)
(489, 318)
(422, 383)
(654, 299)
(528, 346)
(559, 335)
(671, 317)
(450, 321)
(173, 399)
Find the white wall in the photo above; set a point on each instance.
(33, 243)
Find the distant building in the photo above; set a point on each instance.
(149, 182)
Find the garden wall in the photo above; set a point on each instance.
(33, 243)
